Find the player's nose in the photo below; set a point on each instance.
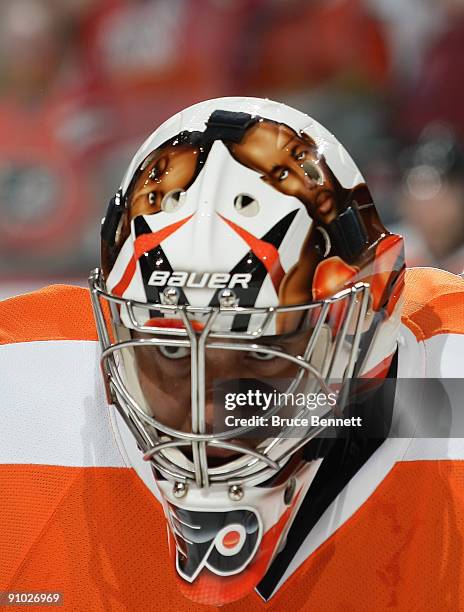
(223, 367)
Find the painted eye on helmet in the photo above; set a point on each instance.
(158, 169)
(174, 352)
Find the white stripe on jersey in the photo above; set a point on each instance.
(415, 360)
(53, 408)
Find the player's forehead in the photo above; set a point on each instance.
(164, 326)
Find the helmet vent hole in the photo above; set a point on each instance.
(246, 205)
(173, 200)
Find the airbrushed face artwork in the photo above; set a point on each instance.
(292, 164)
(289, 162)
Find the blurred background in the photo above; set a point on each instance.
(83, 82)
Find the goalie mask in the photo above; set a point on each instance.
(246, 280)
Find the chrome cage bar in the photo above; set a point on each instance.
(257, 464)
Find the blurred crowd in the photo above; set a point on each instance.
(83, 82)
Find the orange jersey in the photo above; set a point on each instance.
(77, 515)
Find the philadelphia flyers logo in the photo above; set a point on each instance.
(224, 542)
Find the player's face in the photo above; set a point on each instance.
(164, 375)
(291, 164)
(172, 168)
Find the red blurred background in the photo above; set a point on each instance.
(83, 82)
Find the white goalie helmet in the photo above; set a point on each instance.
(244, 267)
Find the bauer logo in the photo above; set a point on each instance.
(199, 280)
(223, 542)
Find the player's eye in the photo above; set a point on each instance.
(262, 356)
(174, 352)
(283, 174)
(300, 156)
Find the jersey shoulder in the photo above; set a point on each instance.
(57, 312)
(434, 302)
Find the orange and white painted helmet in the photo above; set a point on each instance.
(242, 260)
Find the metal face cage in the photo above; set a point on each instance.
(163, 445)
